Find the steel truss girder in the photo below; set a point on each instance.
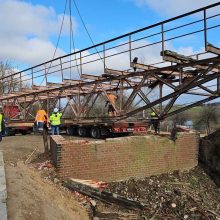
(193, 83)
(62, 91)
(189, 106)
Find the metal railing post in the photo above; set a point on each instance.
(61, 68)
(20, 82)
(218, 82)
(130, 47)
(80, 55)
(205, 28)
(32, 76)
(104, 56)
(162, 36)
(45, 73)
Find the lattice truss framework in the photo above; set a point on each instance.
(139, 85)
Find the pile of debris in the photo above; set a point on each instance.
(180, 195)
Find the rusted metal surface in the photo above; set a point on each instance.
(135, 85)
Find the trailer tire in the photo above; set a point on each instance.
(9, 132)
(70, 131)
(81, 131)
(95, 132)
(23, 132)
(6, 132)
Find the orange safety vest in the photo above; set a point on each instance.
(41, 116)
(112, 98)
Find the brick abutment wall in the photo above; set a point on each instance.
(121, 158)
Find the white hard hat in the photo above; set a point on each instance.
(55, 110)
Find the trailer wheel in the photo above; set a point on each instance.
(69, 131)
(23, 132)
(81, 131)
(9, 132)
(95, 132)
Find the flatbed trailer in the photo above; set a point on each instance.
(18, 127)
(102, 127)
(92, 127)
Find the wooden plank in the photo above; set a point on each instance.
(8, 95)
(211, 48)
(174, 57)
(27, 90)
(18, 93)
(201, 67)
(120, 73)
(142, 66)
(53, 84)
(91, 183)
(92, 77)
(72, 81)
(115, 72)
(103, 196)
(35, 87)
(179, 58)
(149, 67)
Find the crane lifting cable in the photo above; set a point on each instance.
(86, 29)
(58, 40)
(72, 42)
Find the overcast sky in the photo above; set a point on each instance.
(29, 29)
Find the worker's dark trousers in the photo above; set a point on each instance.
(0, 136)
(55, 129)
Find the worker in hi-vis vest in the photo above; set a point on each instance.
(155, 122)
(41, 119)
(111, 103)
(2, 125)
(55, 121)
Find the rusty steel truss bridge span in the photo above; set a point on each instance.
(150, 68)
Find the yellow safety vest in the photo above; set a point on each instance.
(1, 118)
(55, 118)
(153, 115)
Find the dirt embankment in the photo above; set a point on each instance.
(29, 195)
(180, 195)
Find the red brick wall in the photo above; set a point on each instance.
(121, 158)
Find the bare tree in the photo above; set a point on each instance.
(206, 117)
(10, 83)
(179, 119)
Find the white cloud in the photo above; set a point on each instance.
(174, 7)
(120, 61)
(26, 30)
(30, 51)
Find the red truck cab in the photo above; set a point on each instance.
(13, 121)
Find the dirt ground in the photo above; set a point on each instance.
(29, 195)
(32, 194)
